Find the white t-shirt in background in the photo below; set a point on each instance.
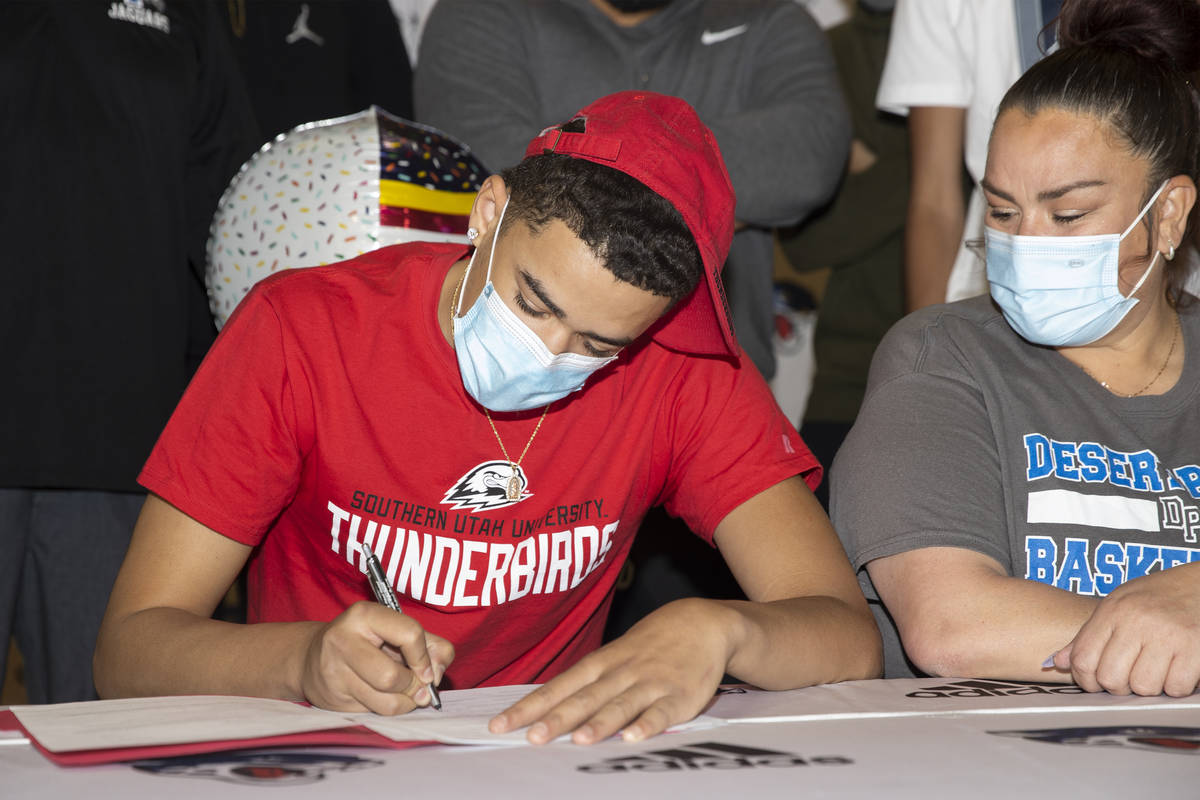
(958, 54)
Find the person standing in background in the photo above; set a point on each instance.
(758, 72)
(949, 62)
(319, 59)
(859, 237)
(412, 15)
(124, 121)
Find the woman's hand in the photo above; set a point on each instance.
(371, 658)
(1144, 638)
(664, 671)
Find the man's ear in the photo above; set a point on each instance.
(1178, 200)
(485, 212)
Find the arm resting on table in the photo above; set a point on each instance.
(961, 615)
(806, 620)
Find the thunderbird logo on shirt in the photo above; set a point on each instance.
(484, 487)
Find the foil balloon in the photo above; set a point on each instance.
(330, 190)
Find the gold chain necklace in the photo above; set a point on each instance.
(1157, 375)
(512, 491)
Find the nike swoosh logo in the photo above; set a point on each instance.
(712, 37)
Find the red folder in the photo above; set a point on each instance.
(350, 736)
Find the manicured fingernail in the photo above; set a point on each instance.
(585, 734)
(1049, 662)
(539, 732)
(631, 735)
(422, 697)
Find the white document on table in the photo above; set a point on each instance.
(464, 719)
(152, 721)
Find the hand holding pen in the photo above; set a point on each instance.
(386, 597)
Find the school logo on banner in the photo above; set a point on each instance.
(257, 769)
(1158, 738)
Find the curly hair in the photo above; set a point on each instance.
(638, 235)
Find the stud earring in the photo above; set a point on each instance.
(473, 234)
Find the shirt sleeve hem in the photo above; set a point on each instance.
(710, 521)
(917, 540)
(198, 510)
(900, 100)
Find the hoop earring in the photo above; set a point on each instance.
(1171, 252)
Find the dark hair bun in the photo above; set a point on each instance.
(1166, 31)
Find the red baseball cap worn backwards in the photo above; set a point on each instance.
(660, 141)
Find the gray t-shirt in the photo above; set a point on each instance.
(972, 437)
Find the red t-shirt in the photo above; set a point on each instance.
(330, 412)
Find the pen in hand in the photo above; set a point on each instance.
(386, 597)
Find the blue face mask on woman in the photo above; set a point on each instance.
(1061, 291)
(505, 366)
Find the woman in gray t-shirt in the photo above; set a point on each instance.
(1021, 491)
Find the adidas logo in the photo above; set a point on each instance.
(980, 688)
(707, 755)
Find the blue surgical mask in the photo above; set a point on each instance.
(505, 366)
(1061, 291)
